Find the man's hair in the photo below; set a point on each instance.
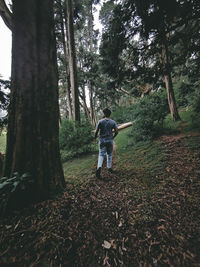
(107, 112)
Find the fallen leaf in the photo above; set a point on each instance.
(121, 222)
(106, 244)
(161, 227)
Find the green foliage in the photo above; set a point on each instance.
(170, 126)
(75, 139)
(149, 113)
(123, 114)
(183, 91)
(4, 102)
(194, 100)
(14, 191)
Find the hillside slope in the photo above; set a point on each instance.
(145, 214)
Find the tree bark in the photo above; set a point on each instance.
(168, 82)
(32, 139)
(85, 108)
(72, 61)
(6, 14)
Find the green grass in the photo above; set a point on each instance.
(78, 171)
(123, 139)
(189, 120)
(142, 165)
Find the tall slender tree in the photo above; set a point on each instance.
(63, 54)
(90, 85)
(72, 60)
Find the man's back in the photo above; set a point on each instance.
(106, 125)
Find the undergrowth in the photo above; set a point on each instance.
(140, 164)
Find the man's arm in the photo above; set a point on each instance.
(116, 132)
(96, 133)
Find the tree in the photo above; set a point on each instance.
(72, 61)
(90, 85)
(111, 49)
(157, 25)
(32, 138)
(63, 57)
(161, 20)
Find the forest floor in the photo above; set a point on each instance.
(147, 213)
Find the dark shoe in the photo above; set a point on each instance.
(110, 170)
(98, 173)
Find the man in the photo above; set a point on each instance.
(105, 125)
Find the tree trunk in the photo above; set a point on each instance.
(90, 87)
(32, 140)
(168, 83)
(85, 108)
(69, 105)
(72, 61)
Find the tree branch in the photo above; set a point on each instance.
(6, 14)
(123, 90)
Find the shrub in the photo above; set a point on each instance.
(194, 102)
(122, 114)
(149, 113)
(183, 91)
(194, 99)
(75, 138)
(14, 191)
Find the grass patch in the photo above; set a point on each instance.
(140, 165)
(123, 140)
(78, 171)
(190, 121)
(146, 156)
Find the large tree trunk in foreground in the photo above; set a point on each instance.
(168, 83)
(32, 142)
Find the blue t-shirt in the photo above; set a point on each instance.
(106, 126)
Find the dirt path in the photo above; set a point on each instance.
(103, 225)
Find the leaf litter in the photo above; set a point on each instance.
(104, 224)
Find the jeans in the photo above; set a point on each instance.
(105, 148)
